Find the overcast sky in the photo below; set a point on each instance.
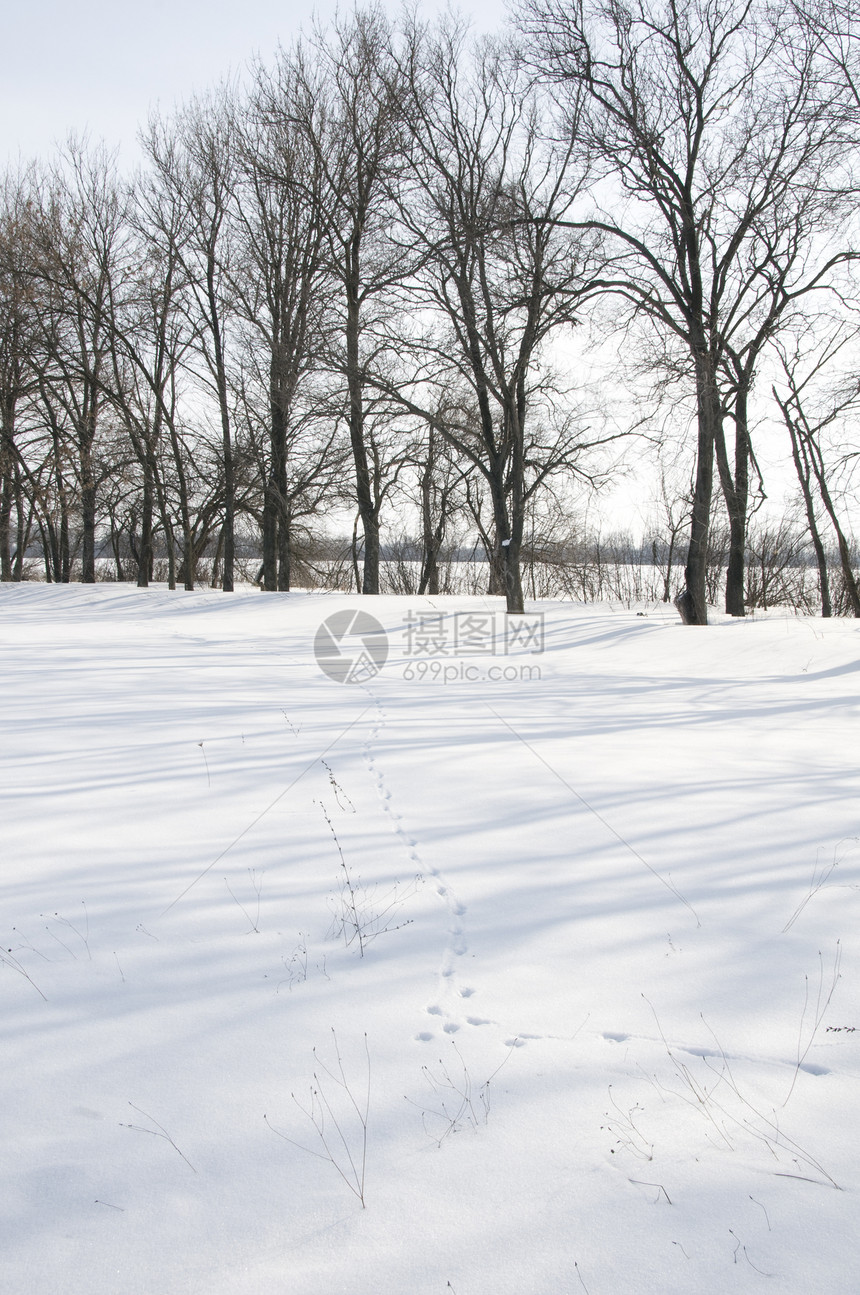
(90, 64)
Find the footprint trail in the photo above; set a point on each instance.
(457, 945)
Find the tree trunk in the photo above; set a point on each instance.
(273, 497)
(847, 572)
(505, 576)
(496, 582)
(7, 484)
(431, 536)
(60, 548)
(24, 530)
(816, 461)
(804, 477)
(5, 521)
(47, 554)
(278, 543)
(370, 567)
(851, 587)
(116, 546)
(354, 552)
(736, 495)
(284, 551)
(88, 510)
(429, 580)
(144, 557)
(367, 507)
(270, 534)
(513, 580)
(515, 506)
(226, 437)
(708, 415)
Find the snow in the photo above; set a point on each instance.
(624, 891)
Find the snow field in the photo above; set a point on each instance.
(624, 893)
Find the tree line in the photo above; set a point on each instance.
(353, 283)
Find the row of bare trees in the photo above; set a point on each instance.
(725, 137)
(353, 284)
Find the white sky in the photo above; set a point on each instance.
(100, 66)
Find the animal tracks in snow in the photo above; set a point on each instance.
(691, 1050)
(454, 906)
(447, 1019)
(445, 1013)
(457, 945)
(451, 994)
(450, 1027)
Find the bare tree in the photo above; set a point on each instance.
(835, 27)
(17, 328)
(442, 475)
(483, 198)
(348, 105)
(79, 240)
(803, 366)
(281, 291)
(703, 118)
(151, 336)
(666, 535)
(194, 157)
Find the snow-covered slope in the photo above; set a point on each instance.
(549, 955)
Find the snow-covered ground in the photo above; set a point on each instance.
(551, 956)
